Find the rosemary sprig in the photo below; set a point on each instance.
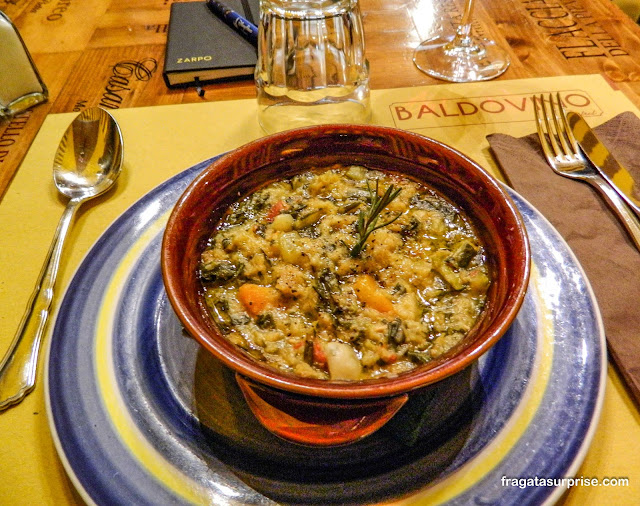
(367, 221)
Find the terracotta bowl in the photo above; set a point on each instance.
(320, 412)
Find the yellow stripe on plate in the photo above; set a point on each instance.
(477, 468)
(148, 457)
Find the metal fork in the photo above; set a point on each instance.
(565, 157)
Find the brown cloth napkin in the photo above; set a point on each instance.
(595, 235)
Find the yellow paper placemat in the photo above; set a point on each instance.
(162, 141)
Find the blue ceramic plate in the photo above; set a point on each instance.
(141, 415)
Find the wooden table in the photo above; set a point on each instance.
(77, 45)
(110, 53)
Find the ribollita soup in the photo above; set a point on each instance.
(344, 273)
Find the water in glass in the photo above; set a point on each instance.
(311, 64)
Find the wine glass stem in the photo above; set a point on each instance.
(463, 33)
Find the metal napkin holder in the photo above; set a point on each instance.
(21, 86)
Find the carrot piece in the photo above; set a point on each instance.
(369, 292)
(319, 356)
(257, 298)
(388, 356)
(275, 210)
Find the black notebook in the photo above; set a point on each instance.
(201, 47)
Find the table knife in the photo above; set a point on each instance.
(602, 159)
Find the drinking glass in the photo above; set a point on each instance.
(311, 65)
(461, 57)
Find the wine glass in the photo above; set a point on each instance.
(461, 57)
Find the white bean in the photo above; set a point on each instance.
(342, 361)
(290, 249)
(283, 223)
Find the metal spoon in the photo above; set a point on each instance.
(87, 163)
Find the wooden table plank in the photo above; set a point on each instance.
(46, 27)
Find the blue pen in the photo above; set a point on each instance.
(240, 24)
